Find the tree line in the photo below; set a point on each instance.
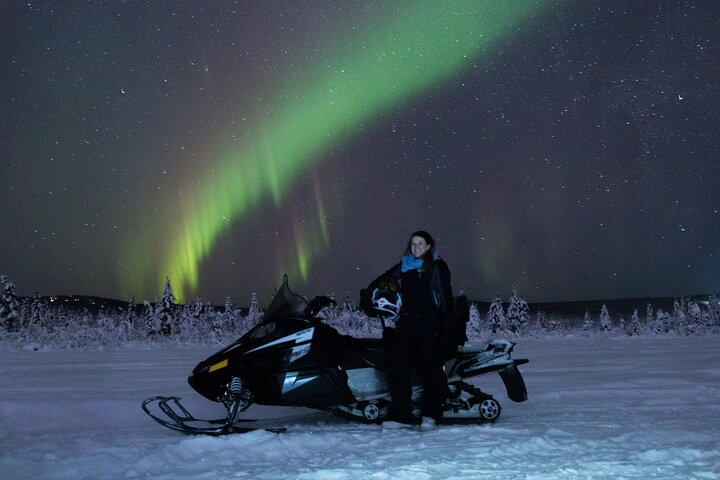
(35, 323)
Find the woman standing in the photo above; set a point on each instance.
(426, 293)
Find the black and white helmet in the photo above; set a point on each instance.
(386, 298)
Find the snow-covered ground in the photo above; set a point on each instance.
(620, 408)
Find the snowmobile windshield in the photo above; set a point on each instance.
(285, 302)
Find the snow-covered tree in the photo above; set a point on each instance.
(229, 304)
(229, 317)
(197, 308)
(496, 315)
(695, 322)
(474, 328)
(126, 327)
(151, 325)
(518, 312)
(36, 311)
(9, 306)
(166, 310)
(36, 315)
(713, 312)
(131, 317)
(605, 322)
(635, 323)
(348, 303)
(588, 324)
(217, 327)
(694, 311)
(547, 324)
(554, 324)
(663, 322)
(254, 313)
(679, 317)
(541, 320)
(649, 314)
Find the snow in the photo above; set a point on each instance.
(620, 408)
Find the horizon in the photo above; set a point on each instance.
(693, 297)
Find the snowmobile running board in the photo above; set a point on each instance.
(176, 417)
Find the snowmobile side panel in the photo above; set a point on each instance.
(313, 388)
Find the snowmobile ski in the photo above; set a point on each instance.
(178, 418)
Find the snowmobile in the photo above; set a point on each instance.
(292, 358)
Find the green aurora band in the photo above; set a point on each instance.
(421, 45)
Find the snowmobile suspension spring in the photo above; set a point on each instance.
(235, 386)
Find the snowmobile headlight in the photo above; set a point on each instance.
(218, 366)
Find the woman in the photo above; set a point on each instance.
(426, 293)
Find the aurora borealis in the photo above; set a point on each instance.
(566, 149)
(394, 61)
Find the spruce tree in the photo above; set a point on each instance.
(348, 303)
(517, 313)
(696, 322)
(9, 306)
(679, 317)
(713, 312)
(663, 322)
(473, 326)
(541, 320)
(37, 313)
(150, 321)
(635, 323)
(199, 309)
(649, 314)
(588, 324)
(605, 323)
(166, 310)
(254, 313)
(496, 315)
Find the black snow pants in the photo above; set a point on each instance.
(416, 343)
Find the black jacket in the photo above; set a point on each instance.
(454, 311)
(440, 287)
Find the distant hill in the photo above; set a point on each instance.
(81, 302)
(96, 304)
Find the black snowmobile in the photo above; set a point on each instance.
(292, 358)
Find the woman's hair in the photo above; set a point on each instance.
(428, 239)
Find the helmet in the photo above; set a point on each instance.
(386, 299)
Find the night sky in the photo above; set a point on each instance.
(566, 148)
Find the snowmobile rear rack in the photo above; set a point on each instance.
(177, 417)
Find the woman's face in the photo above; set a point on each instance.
(419, 247)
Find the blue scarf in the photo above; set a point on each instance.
(409, 262)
